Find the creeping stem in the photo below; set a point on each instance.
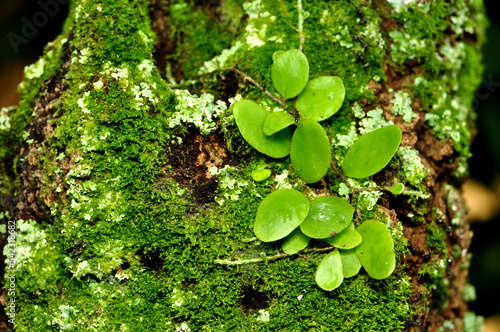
(300, 25)
(254, 82)
(268, 258)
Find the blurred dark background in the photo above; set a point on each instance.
(482, 192)
(485, 168)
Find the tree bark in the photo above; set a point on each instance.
(129, 183)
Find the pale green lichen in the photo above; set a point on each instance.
(4, 117)
(412, 169)
(365, 199)
(374, 120)
(472, 323)
(183, 327)
(346, 140)
(262, 316)
(200, 111)
(230, 186)
(469, 293)
(63, 320)
(343, 34)
(453, 203)
(36, 70)
(405, 47)
(283, 180)
(400, 4)
(30, 237)
(447, 326)
(401, 105)
(358, 111)
(254, 35)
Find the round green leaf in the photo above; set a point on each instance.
(329, 274)
(376, 249)
(347, 239)
(290, 72)
(327, 215)
(372, 152)
(310, 151)
(260, 174)
(250, 118)
(279, 214)
(277, 121)
(350, 262)
(295, 242)
(397, 188)
(321, 98)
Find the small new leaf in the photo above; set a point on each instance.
(295, 242)
(250, 119)
(329, 274)
(277, 121)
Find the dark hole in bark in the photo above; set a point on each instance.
(253, 300)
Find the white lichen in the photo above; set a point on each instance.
(35, 70)
(374, 120)
(4, 117)
(262, 316)
(401, 105)
(412, 169)
(200, 111)
(398, 5)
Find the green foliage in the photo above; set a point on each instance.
(279, 214)
(372, 152)
(327, 215)
(295, 242)
(250, 118)
(376, 249)
(290, 72)
(282, 212)
(347, 239)
(329, 274)
(321, 98)
(310, 151)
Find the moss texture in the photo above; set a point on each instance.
(127, 191)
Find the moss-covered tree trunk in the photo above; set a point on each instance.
(130, 188)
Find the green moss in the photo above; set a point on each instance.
(200, 42)
(436, 240)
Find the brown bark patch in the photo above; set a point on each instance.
(41, 127)
(191, 160)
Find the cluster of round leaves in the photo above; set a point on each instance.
(288, 214)
(315, 100)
